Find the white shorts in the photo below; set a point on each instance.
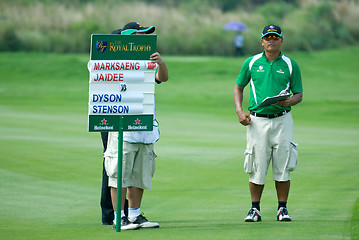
(138, 166)
(270, 139)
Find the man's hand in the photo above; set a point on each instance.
(295, 99)
(162, 74)
(244, 118)
(157, 58)
(284, 103)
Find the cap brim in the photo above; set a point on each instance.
(271, 32)
(148, 30)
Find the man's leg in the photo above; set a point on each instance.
(282, 136)
(114, 201)
(134, 201)
(134, 197)
(114, 198)
(256, 191)
(282, 194)
(125, 223)
(254, 214)
(282, 190)
(106, 203)
(259, 152)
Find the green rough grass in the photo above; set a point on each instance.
(50, 166)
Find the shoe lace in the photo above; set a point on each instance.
(251, 211)
(285, 211)
(142, 216)
(125, 220)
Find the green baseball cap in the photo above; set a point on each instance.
(272, 29)
(135, 27)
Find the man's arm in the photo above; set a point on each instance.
(295, 99)
(243, 117)
(162, 74)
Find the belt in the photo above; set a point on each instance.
(270, 115)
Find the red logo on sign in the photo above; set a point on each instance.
(137, 121)
(151, 65)
(103, 121)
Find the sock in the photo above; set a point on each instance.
(282, 204)
(133, 213)
(115, 215)
(256, 205)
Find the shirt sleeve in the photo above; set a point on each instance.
(296, 79)
(244, 75)
(158, 82)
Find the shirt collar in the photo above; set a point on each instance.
(264, 55)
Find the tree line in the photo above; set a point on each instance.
(187, 27)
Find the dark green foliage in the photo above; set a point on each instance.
(188, 27)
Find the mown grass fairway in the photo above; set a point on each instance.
(50, 166)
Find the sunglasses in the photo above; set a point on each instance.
(271, 37)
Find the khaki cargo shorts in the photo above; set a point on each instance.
(138, 166)
(270, 140)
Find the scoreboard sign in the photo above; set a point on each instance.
(122, 83)
(122, 47)
(121, 89)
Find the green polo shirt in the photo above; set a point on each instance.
(269, 79)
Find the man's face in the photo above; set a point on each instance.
(271, 42)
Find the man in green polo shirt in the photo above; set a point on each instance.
(269, 128)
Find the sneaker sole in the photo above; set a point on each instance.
(149, 225)
(284, 220)
(250, 220)
(129, 228)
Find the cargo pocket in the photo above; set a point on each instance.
(248, 160)
(153, 163)
(293, 157)
(111, 166)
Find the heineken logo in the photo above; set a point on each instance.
(137, 121)
(109, 123)
(103, 125)
(137, 125)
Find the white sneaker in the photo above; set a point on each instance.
(283, 216)
(126, 224)
(144, 223)
(254, 215)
